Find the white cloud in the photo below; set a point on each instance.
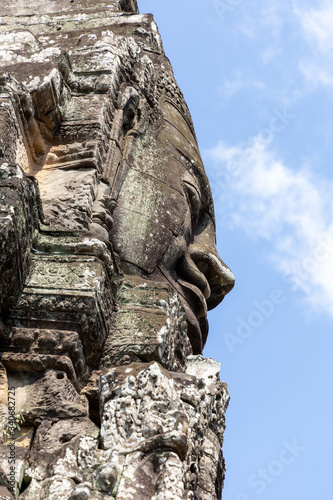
(266, 16)
(231, 87)
(292, 210)
(317, 74)
(316, 26)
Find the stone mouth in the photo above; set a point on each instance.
(195, 307)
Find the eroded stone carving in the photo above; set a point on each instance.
(108, 263)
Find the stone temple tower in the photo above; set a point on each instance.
(108, 263)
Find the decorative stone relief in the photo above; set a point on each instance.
(108, 264)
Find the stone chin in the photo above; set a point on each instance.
(201, 284)
(197, 302)
(198, 292)
(195, 306)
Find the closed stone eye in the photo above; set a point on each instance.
(194, 202)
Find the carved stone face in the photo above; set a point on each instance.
(164, 226)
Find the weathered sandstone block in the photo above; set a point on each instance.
(108, 263)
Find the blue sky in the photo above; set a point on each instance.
(258, 79)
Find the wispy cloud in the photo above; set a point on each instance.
(317, 74)
(269, 16)
(270, 54)
(292, 210)
(299, 35)
(233, 86)
(316, 27)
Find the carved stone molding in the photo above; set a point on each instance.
(108, 263)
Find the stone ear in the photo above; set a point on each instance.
(129, 102)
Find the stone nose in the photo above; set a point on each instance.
(217, 274)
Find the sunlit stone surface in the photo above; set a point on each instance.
(108, 263)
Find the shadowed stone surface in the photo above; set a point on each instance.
(108, 263)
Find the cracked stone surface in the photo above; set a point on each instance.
(108, 263)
